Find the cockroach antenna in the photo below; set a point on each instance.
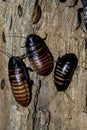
(6, 53)
(4, 36)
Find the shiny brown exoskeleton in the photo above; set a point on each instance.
(20, 81)
(39, 55)
(64, 70)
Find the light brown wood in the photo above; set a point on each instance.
(49, 109)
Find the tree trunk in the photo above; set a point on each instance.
(49, 109)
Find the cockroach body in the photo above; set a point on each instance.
(19, 80)
(36, 14)
(39, 55)
(64, 70)
(81, 10)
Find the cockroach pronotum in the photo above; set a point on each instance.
(64, 70)
(19, 79)
(39, 55)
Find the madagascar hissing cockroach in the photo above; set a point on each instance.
(81, 10)
(20, 80)
(36, 15)
(39, 55)
(64, 70)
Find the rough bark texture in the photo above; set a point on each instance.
(49, 109)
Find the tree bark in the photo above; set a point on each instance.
(49, 109)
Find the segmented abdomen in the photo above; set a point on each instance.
(62, 75)
(41, 60)
(36, 14)
(19, 86)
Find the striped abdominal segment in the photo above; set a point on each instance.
(20, 86)
(64, 70)
(42, 64)
(61, 74)
(39, 55)
(41, 60)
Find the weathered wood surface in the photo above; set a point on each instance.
(49, 109)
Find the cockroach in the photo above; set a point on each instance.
(2, 83)
(81, 10)
(3, 37)
(36, 14)
(64, 70)
(19, 79)
(84, 10)
(20, 10)
(39, 55)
